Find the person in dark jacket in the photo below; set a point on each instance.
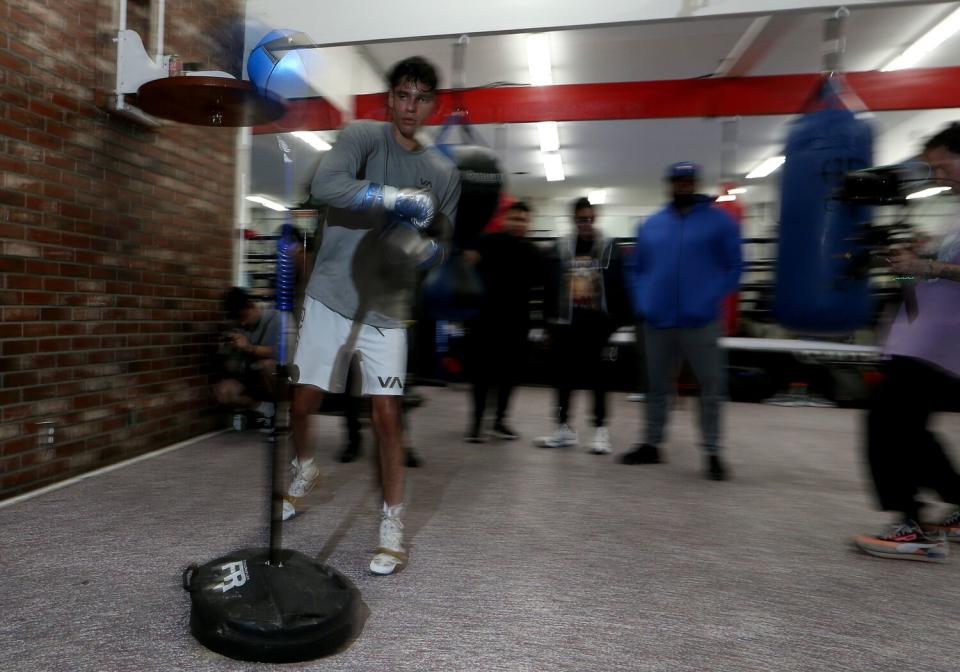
(510, 267)
(687, 259)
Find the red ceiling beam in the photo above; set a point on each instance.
(305, 114)
(926, 88)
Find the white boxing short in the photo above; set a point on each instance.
(328, 342)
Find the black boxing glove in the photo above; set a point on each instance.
(405, 243)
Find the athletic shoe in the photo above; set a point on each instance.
(784, 399)
(305, 479)
(389, 554)
(413, 461)
(239, 422)
(642, 453)
(564, 437)
(639, 396)
(289, 510)
(716, 471)
(502, 431)
(264, 423)
(906, 541)
(350, 453)
(601, 442)
(949, 527)
(475, 435)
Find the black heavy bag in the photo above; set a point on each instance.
(245, 608)
(815, 288)
(454, 291)
(480, 184)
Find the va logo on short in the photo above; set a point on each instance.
(390, 382)
(233, 575)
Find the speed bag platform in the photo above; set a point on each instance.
(245, 608)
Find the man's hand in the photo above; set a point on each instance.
(417, 206)
(240, 341)
(406, 243)
(905, 262)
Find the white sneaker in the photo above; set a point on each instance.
(390, 553)
(601, 442)
(305, 478)
(289, 511)
(564, 437)
(638, 396)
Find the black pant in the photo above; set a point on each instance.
(496, 352)
(579, 349)
(903, 454)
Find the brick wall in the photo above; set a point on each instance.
(115, 243)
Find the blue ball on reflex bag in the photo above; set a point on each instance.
(276, 64)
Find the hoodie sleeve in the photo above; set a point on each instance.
(633, 269)
(732, 251)
(553, 283)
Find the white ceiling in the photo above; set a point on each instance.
(627, 157)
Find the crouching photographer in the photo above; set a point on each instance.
(248, 354)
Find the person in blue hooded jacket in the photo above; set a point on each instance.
(686, 260)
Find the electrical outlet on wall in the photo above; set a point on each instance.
(46, 439)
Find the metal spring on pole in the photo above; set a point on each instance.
(286, 268)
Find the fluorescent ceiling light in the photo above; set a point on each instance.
(725, 198)
(312, 139)
(549, 136)
(737, 190)
(926, 43)
(927, 193)
(538, 59)
(266, 202)
(553, 166)
(767, 167)
(597, 197)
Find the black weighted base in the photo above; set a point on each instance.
(247, 609)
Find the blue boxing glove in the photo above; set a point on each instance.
(405, 243)
(417, 206)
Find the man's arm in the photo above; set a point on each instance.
(269, 340)
(254, 351)
(732, 253)
(633, 270)
(941, 269)
(906, 262)
(337, 183)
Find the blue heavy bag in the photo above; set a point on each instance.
(453, 290)
(815, 290)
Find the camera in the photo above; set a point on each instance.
(880, 186)
(883, 185)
